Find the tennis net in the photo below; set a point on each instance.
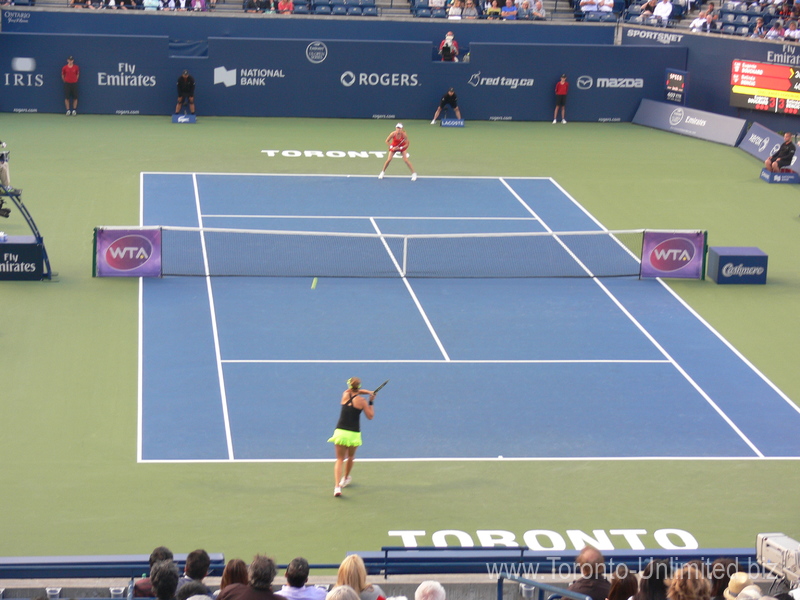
(237, 252)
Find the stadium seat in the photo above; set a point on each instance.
(365, 3)
(335, 2)
(743, 30)
(728, 29)
(754, 9)
(322, 9)
(608, 18)
(369, 11)
(593, 17)
(422, 12)
(300, 9)
(439, 13)
(339, 9)
(728, 17)
(354, 11)
(741, 20)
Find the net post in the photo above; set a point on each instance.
(405, 256)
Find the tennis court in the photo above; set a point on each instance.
(250, 368)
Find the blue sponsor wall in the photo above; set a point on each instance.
(709, 64)
(351, 79)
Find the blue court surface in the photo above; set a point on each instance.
(252, 368)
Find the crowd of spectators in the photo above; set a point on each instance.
(695, 580)
(256, 581)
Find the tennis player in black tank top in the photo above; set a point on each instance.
(347, 436)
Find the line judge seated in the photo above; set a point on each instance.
(783, 157)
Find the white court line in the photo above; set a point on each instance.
(488, 459)
(140, 353)
(532, 361)
(647, 334)
(214, 330)
(357, 217)
(413, 295)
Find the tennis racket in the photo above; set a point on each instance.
(380, 387)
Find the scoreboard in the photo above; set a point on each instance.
(675, 87)
(764, 86)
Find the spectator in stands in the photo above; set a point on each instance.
(776, 31)
(352, 572)
(430, 590)
(663, 11)
(296, 578)
(652, 583)
(197, 563)
(493, 11)
(624, 584)
(738, 581)
(538, 12)
(469, 12)
(235, 571)
(509, 11)
(591, 564)
(648, 8)
(285, 7)
(524, 12)
(606, 6)
(152, 4)
(588, 6)
(720, 571)
(261, 572)
(342, 592)
(700, 22)
(144, 588)
(448, 48)
(792, 33)
(689, 583)
(193, 589)
(759, 29)
(164, 577)
(456, 10)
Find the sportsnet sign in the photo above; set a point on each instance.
(127, 252)
(675, 254)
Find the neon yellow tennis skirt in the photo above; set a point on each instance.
(343, 437)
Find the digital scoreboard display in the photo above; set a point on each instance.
(764, 86)
(675, 87)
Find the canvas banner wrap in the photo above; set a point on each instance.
(127, 252)
(674, 254)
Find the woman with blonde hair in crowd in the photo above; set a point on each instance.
(689, 583)
(352, 572)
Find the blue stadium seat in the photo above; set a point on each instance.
(743, 30)
(439, 13)
(741, 20)
(365, 3)
(592, 17)
(728, 29)
(754, 9)
(369, 11)
(300, 9)
(322, 9)
(608, 18)
(422, 12)
(354, 11)
(339, 9)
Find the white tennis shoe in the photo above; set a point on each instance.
(345, 481)
(380, 175)
(337, 491)
(413, 177)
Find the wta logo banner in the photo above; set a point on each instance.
(127, 252)
(675, 254)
